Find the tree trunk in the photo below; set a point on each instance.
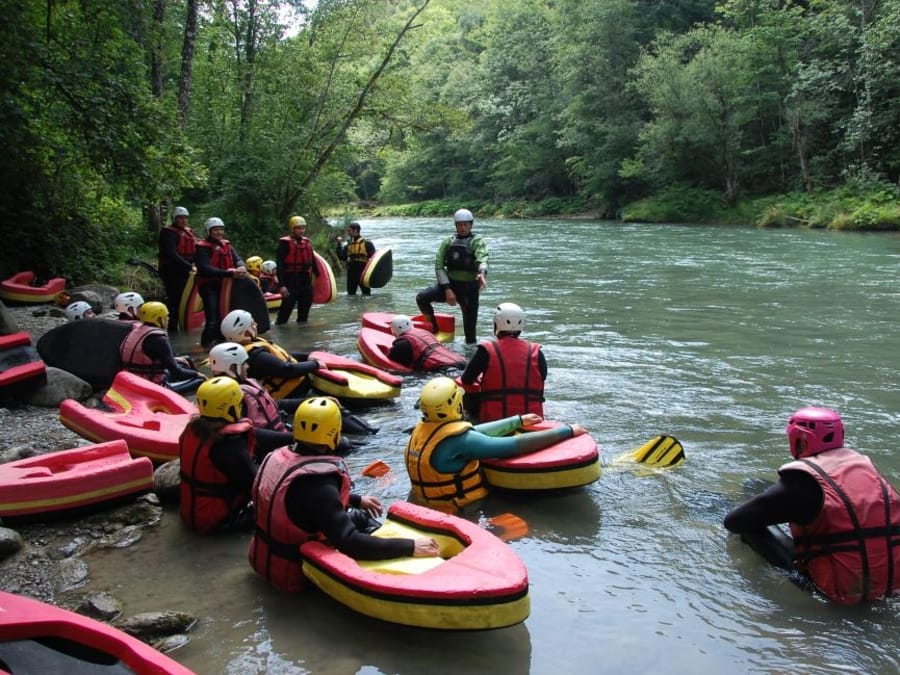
(187, 63)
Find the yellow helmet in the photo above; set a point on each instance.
(441, 400)
(318, 421)
(296, 221)
(154, 314)
(254, 265)
(220, 398)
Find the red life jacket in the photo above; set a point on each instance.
(260, 407)
(512, 383)
(428, 353)
(299, 256)
(187, 242)
(275, 547)
(221, 256)
(207, 498)
(133, 357)
(851, 550)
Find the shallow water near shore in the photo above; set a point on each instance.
(711, 334)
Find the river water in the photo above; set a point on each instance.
(711, 334)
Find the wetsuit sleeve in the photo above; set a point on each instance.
(476, 366)
(341, 250)
(480, 251)
(401, 352)
(236, 258)
(796, 497)
(158, 349)
(501, 427)
(440, 270)
(280, 254)
(314, 503)
(542, 364)
(232, 457)
(452, 453)
(268, 440)
(370, 248)
(264, 364)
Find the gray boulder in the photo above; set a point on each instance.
(61, 385)
(8, 323)
(105, 295)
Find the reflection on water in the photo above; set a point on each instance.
(713, 335)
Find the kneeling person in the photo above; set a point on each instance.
(419, 349)
(302, 492)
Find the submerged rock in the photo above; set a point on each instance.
(149, 626)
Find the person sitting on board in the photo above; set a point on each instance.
(419, 349)
(295, 260)
(506, 375)
(79, 310)
(127, 305)
(177, 246)
(283, 374)
(268, 277)
(843, 514)
(356, 252)
(460, 267)
(146, 350)
(302, 492)
(216, 454)
(216, 260)
(443, 453)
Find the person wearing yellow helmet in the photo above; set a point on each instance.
(443, 452)
(295, 261)
(177, 246)
(216, 260)
(461, 270)
(216, 454)
(356, 252)
(302, 492)
(146, 350)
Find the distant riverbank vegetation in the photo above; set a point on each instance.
(776, 113)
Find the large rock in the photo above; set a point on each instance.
(167, 482)
(61, 385)
(10, 542)
(153, 625)
(8, 323)
(104, 295)
(95, 300)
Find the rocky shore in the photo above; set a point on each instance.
(47, 561)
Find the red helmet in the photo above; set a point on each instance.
(813, 430)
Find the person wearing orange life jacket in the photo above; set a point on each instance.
(216, 260)
(419, 349)
(303, 492)
(127, 305)
(443, 453)
(512, 371)
(295, 261)
(216, 454)
(283, 374)
(146, 350)
(177, 246)
(844, 516)
(356, 251)
(268, 277)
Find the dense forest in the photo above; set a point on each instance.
(775, 111)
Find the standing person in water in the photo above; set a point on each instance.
(216, 260)
(461, 270)
(295, 261)
(177, 246)
(843, 514)
(356, 251)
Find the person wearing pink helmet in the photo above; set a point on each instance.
(844, 516)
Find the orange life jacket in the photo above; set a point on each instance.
(299, 256)
(428, 353)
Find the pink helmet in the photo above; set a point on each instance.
(813, 430)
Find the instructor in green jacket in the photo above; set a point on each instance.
(461, 270)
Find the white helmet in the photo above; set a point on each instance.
(213, 222)
(508, 318)
(400, 324)
(463, 216)
(79, 310)
(269, 267)
(179, 211)
(235, 324)
(128, 303)
(225, 355)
